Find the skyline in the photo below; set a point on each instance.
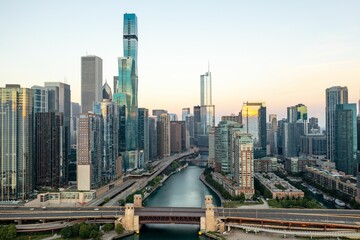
(251, 59)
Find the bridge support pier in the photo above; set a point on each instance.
(130, 221)
(210, 221)
(138, 201)
(19, 222)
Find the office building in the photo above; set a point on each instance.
(157, 113)
(41, 99)
(75, 112)
(91, 82)
(233, 118)
(334, 96)
(89, 152)
(60, 102)
(254, 121)
(144, 134)
(175, 137)
(173, 117)
(211, 158)
(107, 110)
(153, 138)
(189, 121)
(313, 144)
(16, 142)
(197, 124)
(244, 164)
(272, 133)
(163, 135)
(314, 125)
(346, 138)
(48, 126)
(185, 112)
(106, 92)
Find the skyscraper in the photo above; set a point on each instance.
(207, 109)
(244, 163)
(109, 134)
(41, 99)
(144, 133)
(126, 94)
(89, 151)
(153, 154)
(254, 120)
(48, 148)
(345, 138)
(60, 102)
(106, 91)
(184, 113)
(16, 142)
(75, 112)
(163, 135)
(334, 96)
(91, 82)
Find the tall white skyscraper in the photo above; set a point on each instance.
(207, 110)
(91, 82)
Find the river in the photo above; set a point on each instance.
(183, 189)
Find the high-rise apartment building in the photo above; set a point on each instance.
(189, 121)
(89, 151)
(272, 133)
(16, 142)
(163, 135)
(48, 126)
(345, 152)
(197, 124)
(175, 137)
(334, 96)
(109, 133)
(224, 149)
(244, 164)
(91, 82)
(60, 102)
(75, 112)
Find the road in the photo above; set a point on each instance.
(340, 216)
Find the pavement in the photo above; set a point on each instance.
(265, 205)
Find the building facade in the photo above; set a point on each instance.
(91, 82)
(334, 96)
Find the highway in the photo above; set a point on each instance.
(339, 216)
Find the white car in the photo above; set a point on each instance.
(96, 209)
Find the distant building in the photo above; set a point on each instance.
(173, 117)
(91, 82)
(314, 124)
(106, 92)
(211, 158)
(313, 144)
(265, 164)
(75, 112)
(175, 137)
(233, 118)
(153, 154)
(41, 99)
(334, 96)
(185, 112)
(16, 142)
(191, 129)
(298, 164)
(163, 135)
(143, 137)
(346, 138)
(89, 151)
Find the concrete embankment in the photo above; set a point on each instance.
(202, 178)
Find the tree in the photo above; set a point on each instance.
(75, 229)
(108, 227)
(119, 229)
(66, 232)
(121, 202)
(95, 234)
(106, 200)
(84, 231)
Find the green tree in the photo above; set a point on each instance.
(75, 229)
(84, 231)
(66, 232)
(119, 229)
(106, 200)
(95, 234)
(121, 202)
(108, 227)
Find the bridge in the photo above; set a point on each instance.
(210, 218)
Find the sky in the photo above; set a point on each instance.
(276, 51)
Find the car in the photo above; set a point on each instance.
(96, 209)
(31, 209)
(44, 208)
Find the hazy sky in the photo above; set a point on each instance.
(281, 52)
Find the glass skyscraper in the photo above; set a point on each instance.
(334, 95)
(16, 142)
(126, 94)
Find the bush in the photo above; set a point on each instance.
(119, 229)
(108, 227)
(75, 230)
(8, 232)
(85, 231)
